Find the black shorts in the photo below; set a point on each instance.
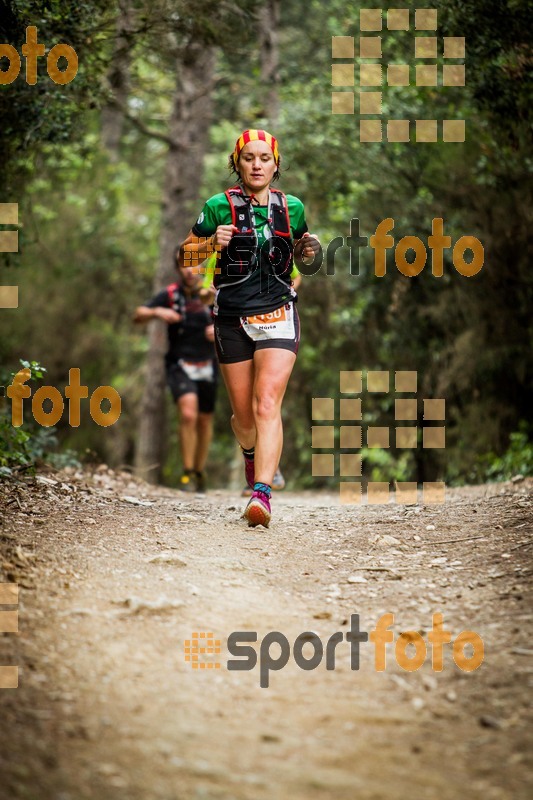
(180, 383)
(234, 344)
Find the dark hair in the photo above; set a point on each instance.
(233, 169)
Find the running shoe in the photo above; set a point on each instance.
(257, 512)
(278, 481)
(187, 482)
(201, 483)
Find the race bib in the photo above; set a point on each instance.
(278, 324)
(198, 371)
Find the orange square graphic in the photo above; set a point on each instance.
(351, 437)
(370, 103)
(377, 381)
(454, 47)
(398, 74)
(9, 241)
(407, 438)
(377, 437)
(405, 381)
(351, 382)
(378, 492)
(435, 409)
(9, 621)
(406, 493)
(370, 47)
(370, 74)
(370, 19)
(323, 436)
(426, 47)
(433, 493)
(322, 465)
(434, 438)
(426, 130)
(398, 19)
(370, 130)
(351, 465)
(9, 296)
(9, 214)
(350, 492)
(9, 593)
(342, 47)
(350, 409)
(453, 75)
(9, 677)
(453, 130)
(426, 19)
(323, 408)
(342, 103)
(426, 74)
(342, 75)
(406, 409)
(398, 130)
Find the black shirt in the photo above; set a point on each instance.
(186, 339)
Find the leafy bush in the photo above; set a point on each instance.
(517, 460)
(22, 449)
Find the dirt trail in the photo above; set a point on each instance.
(108, 708)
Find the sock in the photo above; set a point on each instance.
(264, 488)
(249, 454)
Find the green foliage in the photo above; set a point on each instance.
(516, 460)
(89, 244)
(22, 449)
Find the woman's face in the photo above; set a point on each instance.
(256, 165)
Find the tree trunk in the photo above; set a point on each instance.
(269, 26)
(118, 80)
(188, 131)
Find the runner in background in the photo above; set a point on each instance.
(256, 230)
(191, 367)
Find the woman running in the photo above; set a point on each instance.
(255, 231)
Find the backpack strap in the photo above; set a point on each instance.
(240, 209)
(280, 214)
(173, 294)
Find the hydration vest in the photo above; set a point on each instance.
(176, 299)
(243, 255)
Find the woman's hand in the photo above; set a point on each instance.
(210, 333)
(223, 235)
(308, 246)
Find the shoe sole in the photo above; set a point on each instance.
(256, 514)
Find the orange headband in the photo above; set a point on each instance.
(254, 136)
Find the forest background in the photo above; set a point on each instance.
(111, 170)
